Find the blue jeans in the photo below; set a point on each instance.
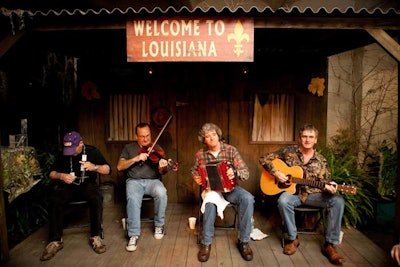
(335, 204)
(245, 202)
(135, 190)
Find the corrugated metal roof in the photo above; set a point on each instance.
(16, 15)
(81, 8)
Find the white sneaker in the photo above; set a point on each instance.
(158, 232)
(132, 243)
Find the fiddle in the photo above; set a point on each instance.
(156, 154)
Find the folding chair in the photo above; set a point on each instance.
(307, 220)
(147, 215)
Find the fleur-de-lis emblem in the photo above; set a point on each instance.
(238, 36)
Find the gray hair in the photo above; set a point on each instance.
(208, 127)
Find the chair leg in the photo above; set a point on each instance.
(314, 230)
(199, 226)
(283, 231)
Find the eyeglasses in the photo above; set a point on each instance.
(144, 136)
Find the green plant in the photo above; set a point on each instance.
(343, 164)
(382, 165)
(29, 212)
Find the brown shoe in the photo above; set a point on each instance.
(330, 252)
(290, 248)
(204, 253)
(245, 251)
(97, 244)
(51, 249)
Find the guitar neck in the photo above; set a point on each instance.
(312, 183)
(321, 185)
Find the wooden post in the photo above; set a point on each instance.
(5, 254)
(397, 184)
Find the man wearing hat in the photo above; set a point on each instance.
(76, 172)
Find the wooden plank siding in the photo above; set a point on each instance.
(221, 94)
(179, 246)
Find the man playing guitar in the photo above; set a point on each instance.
(315, 168)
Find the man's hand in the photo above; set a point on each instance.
(395, 252)
(282, 178)
(141, 157)
(331, 187)
(197, 179)
(87, 165)
(67, 178)
(162, 163)
(230, 173)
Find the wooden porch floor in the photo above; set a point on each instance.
(179, 246)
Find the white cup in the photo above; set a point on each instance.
(341, 237)
(123, 221)
(192, 223)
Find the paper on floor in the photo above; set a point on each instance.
(256, 234)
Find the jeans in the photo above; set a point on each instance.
(135, 190)
(245, 202)
(335, 204)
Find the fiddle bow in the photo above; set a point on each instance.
(158, 137)
(171, 163)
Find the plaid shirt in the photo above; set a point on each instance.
(228, 153)
(316, 169)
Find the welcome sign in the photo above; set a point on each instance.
(190, 39)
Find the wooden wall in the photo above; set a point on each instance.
(197, 93)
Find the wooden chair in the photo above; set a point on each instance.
(309, 217)
(199, 221)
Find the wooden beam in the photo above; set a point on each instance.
(327, 23)
(9, 41)
(386, 41)
(4, 250)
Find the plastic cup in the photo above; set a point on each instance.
(123, 221)
(192, 223)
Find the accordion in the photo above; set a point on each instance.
(213, 176)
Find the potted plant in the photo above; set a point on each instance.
(344, 168)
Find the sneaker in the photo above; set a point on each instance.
(158, 232)
(132, 243)
(97, 244)
(51, 249)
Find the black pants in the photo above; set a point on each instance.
(88, 190)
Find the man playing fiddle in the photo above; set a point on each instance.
(143, 173)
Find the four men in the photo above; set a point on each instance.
(143, 163)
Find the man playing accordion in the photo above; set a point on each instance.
(216, 151)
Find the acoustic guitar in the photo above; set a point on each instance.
(270, 185)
